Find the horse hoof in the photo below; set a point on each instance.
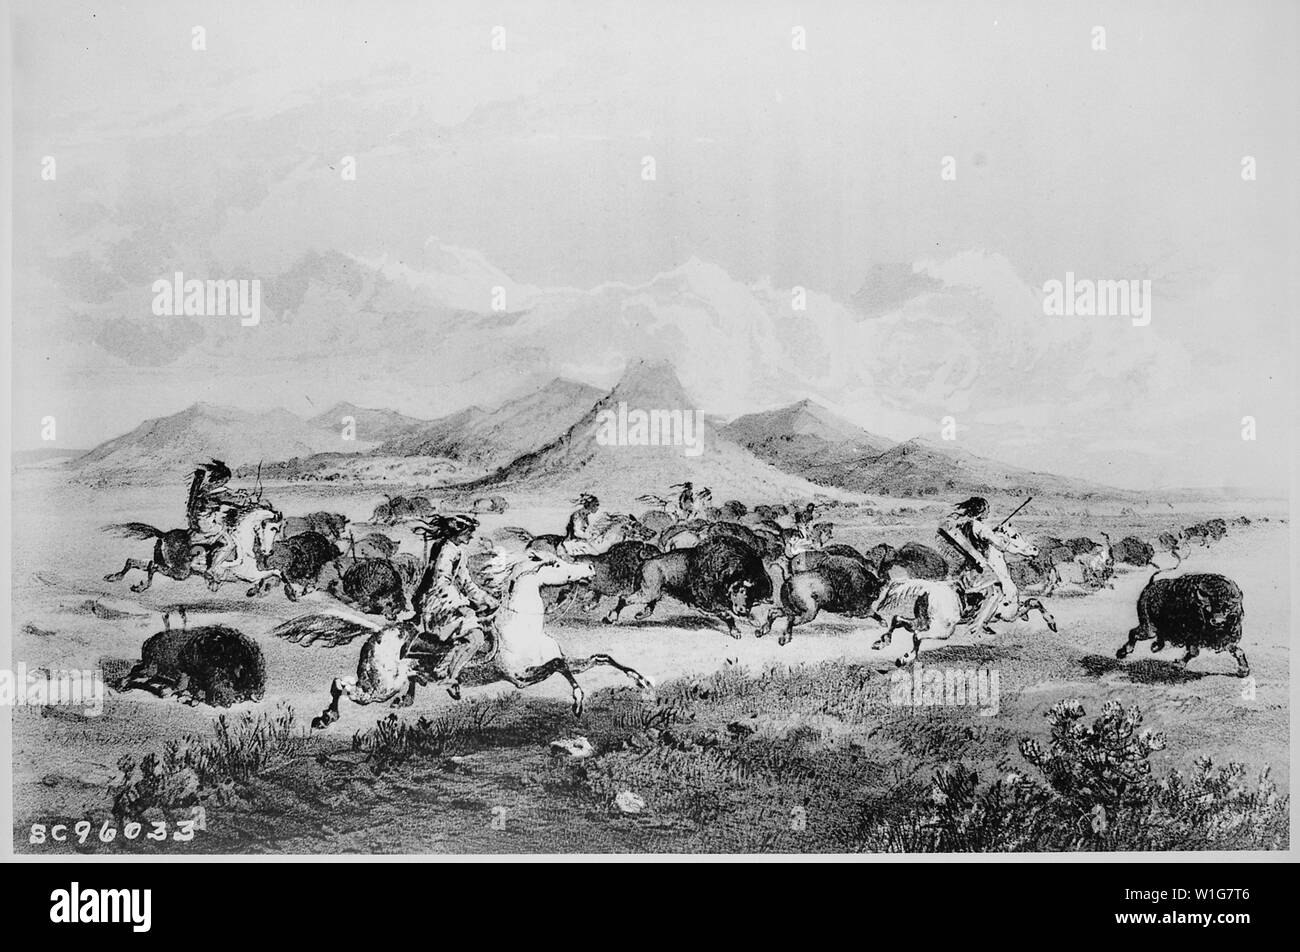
(138, 587)
(323, 721)
(1122, 653)
(453, 690)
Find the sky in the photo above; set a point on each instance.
(523, 169)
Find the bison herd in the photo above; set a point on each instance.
(762, 564)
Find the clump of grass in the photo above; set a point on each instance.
(452, 731)
(231, 758)
(810, 758)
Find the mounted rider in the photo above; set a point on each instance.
(577, 532)
(213, 508)
(967, 530)
(447, 599)
(685, 501)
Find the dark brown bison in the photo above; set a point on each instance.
(301, 558)
(1192, 612)
(372, 587)
(722, 577)
(212, 664)
(916, 561)
(837, 584)
(1133, 551)
(617, 571)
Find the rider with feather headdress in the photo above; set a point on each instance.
(212, 507)
(578, 531)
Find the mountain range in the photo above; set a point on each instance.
(571, 437)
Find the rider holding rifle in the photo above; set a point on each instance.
(967, 529)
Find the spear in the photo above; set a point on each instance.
(1014, 511)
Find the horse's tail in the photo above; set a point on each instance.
(134, 530)
(523, 535)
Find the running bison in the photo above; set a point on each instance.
(838, 584)
(722, 577)
(301, 558)
(616, 572)
(914, 560)
(1133, 551)
(372, 587)
(212, 664)
(1192, 612)
(332, 525)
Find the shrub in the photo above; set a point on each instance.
(1098, 793)
(232, 757)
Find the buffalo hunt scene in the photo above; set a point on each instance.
(684, 430)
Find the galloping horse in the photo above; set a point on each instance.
(934, 609)
(394, 658)
(240, 555)
(1010, 607)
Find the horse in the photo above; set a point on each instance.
(239, 555)
(935, 608)
(394, 658)
(609, 531)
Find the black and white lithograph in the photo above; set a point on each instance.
(651, 427)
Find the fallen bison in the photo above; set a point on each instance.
(212, 664)
(1192, 612)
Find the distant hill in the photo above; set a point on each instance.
(920, 467)
(490, 439)
(372, 426)
(582, 459)
(555, 438)
(161, 449)
(807, 439)
(804, 436)
(43, 458)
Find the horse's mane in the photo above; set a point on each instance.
(505, 568)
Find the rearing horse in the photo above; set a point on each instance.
(395, 658)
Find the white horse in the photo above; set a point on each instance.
(394, 658)
(934, 609)
(242, 557)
